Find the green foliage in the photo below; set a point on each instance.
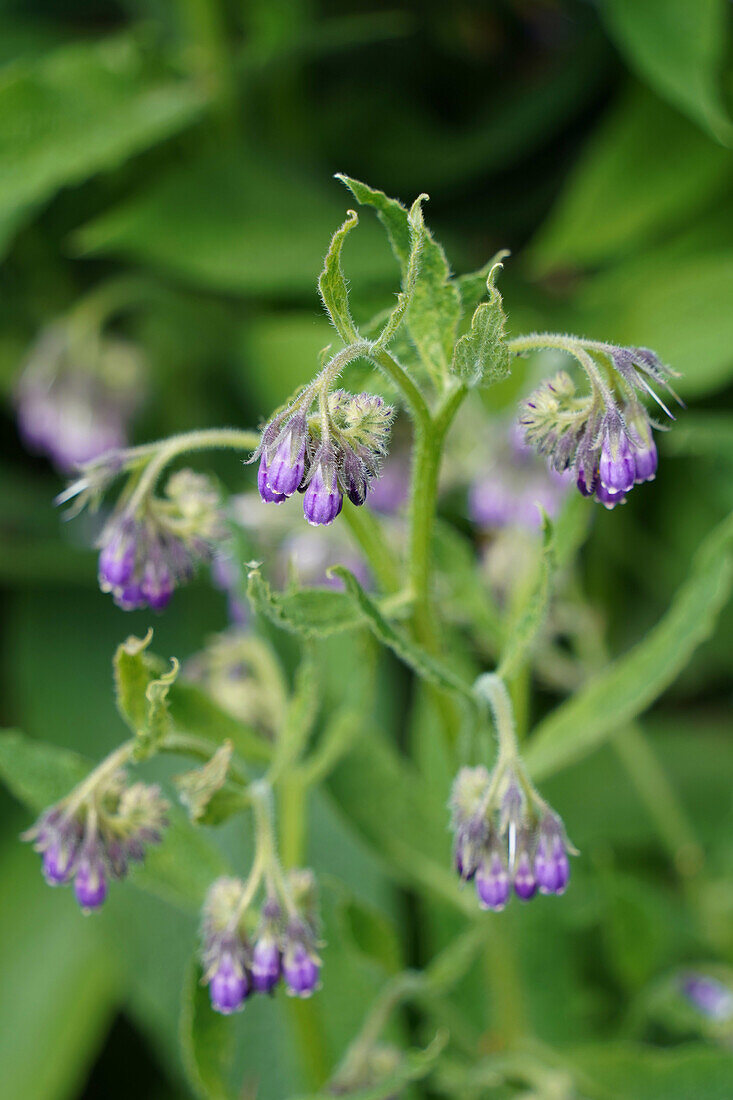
(207, 1041)
(332, 283)
(481, 356)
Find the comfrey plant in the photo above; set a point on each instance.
(261, 734)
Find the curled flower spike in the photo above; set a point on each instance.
(333, 452)
(604, 438)
(97, 837)
(506, 838)
(147, 549)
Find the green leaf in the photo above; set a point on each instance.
(207, 1041)
(134, 669)
(435, 305)
(629, 1071)
(680, 49)
(624, 171)
(157, 719)
(179, 870)
(332, 283)
(61, 985)
(636, 679)
(529, 616)
(310, 612)
(418, 659)
(472, 287)
(225, 222)
(78, 110)
(481, 356)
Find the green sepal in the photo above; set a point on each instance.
(205, 793)
(482, 356)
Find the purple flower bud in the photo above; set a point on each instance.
(645, 460)
(117, 561)
(587, 478)
(525, 884)
(492, 883)
(129, 597)
(551, 864)
(355, 478)
(323, 499)
(607, 498)
(228, 987)
(617, 467)
(286, 468)
(90, 882)
(267, 494)
(58, 863)
(157, 585)
(300, 969)
(265, 964)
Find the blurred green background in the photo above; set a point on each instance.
(192, 144)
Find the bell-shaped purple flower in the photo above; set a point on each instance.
(617, 468)
(645, 462)
(157, 584)
(525, 883)
(117, 560)
(551, 864)
(90, 880)
(228, 985)
(268, 495)
(58, 863)
(286, 466)
(301, 969)
(266, 962)
(587, 477)
(493, 885)
(323, 499)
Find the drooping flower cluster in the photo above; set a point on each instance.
(237, 964)
(606, 441)
(325, 455)
(506, 838)
(95, 837)
(76, 395)
(149, 548)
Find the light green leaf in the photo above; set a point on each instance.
(157, 719)
(61, 986)
(179, 870)
(225, 222)
(435, 306)
(134, 669)
(207, 1041)
(481, 356)
(472, 287)
(636, 679)
(332, 283)
(625, 171)
(418, 659)
(530, 615)
(78, 110)
(680, 48)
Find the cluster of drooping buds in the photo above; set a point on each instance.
(76, 394)
(237, 964)
(149, 547)
(508, 493)
(94, 835)
(506, 838)
(330, 453)
(608, 445)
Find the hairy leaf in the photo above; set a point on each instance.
(636, 679)
(481, 356)
(530, 615)
(333, 286)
